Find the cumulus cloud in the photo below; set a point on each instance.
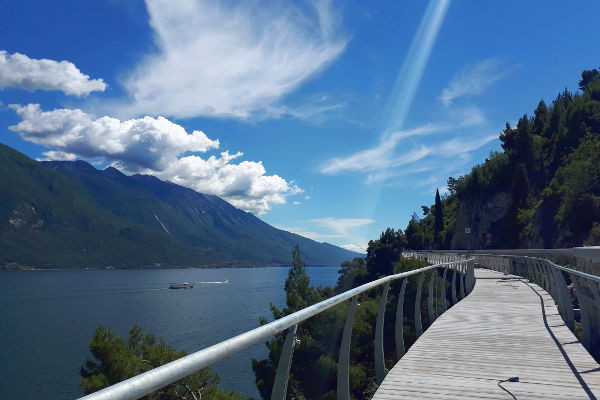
(245, 65)
(245, 185)
(473, 80)
(154, 146)
(147, 142)
(58, 156)
(19, 71)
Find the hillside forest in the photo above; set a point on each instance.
(541, 191)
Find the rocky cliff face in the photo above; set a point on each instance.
(485, 217)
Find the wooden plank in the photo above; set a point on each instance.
(497, 332)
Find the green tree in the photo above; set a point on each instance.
(578, 182)
(414, 237)
(452, 184)
(297, 283)
(385, 251)
(116, 359)
(313, 358)
(587, 77)
(352, 273)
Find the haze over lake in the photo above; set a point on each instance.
(48, 318)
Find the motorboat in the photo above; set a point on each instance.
(182, 285)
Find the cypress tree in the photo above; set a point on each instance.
(439, 213)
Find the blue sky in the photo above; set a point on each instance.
(334, 119)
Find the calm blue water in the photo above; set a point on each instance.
(48, 317)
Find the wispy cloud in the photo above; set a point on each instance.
(434, 148)
(232, 59)
(377, 157)
(473, 80)
(355, 248)
(342, 226)
(385, 155)
(19, 71)
(323, 229)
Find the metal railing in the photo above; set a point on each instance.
(458, 270)
(576, 293)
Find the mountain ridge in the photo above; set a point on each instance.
(193, 229)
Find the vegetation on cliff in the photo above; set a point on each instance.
(542, 190)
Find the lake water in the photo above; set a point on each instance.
(47, 319)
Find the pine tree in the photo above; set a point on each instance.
(297, 283)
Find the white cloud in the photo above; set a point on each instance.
(355, 248)
(422, 149)
(245, 185)
(58, 156)
(376, 157)
(19, 71)
(296, 203)
(384, 155)
(473, 80)
(231, 59)
(154, 146)
(342, 226)
(323, 229)
(138, 143)
(318, 236)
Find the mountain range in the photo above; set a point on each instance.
(68, 214)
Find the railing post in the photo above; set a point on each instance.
(462, 280)
(444, 305)
(380, 371)
(283, 368)
(399, 331)
(586, 331)
(418, 323)
(430, 309)
(454, 299)
(471, 275)
(558, 292)
(569, 318)
(551, 282)
(536, 275)
(545, 279)
(343, 373)
(593, 332)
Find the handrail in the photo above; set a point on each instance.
(554, 279)
(568, 270)
(153, 380)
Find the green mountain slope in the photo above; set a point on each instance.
(204, 222)
(46, 220)
(68, 214)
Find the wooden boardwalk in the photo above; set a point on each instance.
(499, 331)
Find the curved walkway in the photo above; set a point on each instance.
(506, 327)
